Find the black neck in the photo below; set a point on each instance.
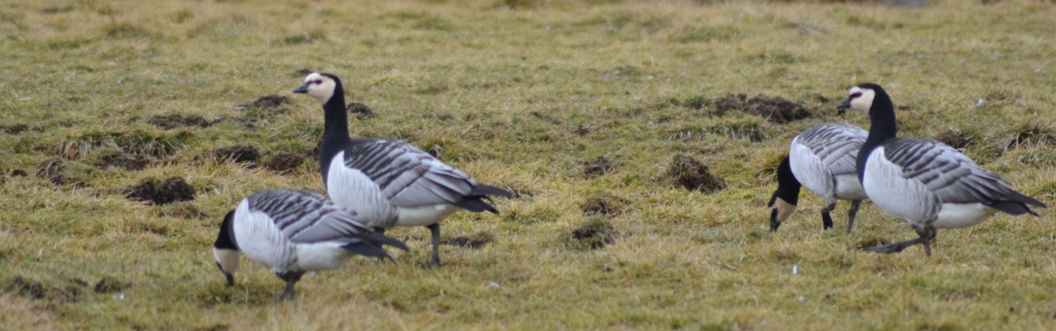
(882, 127)
(335, 131)
(787, 185)
(226, 238)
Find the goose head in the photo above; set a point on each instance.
(860, 98)
(783, 202)
(320, 86)
(225, 251)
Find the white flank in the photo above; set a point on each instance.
(906, 199)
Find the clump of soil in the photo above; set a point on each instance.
(360, 110)
(110, 285)
(28, 288)
(689, 173)
(267, 102)
(777, 110)
(18, 173)
(478, 240)
(284, 162)
(581, 130)
(598, 167)
(595, 234)
(954, 138)
(16, 129)
(238, 154)
(52, 169)
(176, 120)
(607, 204)
(36, 290)
(171, 190)
(729, 102)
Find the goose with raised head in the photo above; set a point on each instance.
(293, 232)
(821, 158)
(419, 188)
(924, 182)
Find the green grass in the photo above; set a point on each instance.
(519, 94)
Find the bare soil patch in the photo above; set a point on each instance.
(692, 175)
(173, 121)
(599, 167)
(161, 192)
(595, 234)
(238, 154)
(284, 162)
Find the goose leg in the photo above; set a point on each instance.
(435, 229)
(291, 278)
(826, 219)
(926, 233)
(852, 213)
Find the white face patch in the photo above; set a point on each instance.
(226, 259)
(863, 101)
(320, 87)
(784, 209)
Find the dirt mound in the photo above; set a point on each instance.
(954, 138)
(729, 102)
(53, 169)
(284, 162)
(28, 288)
(475, 241)
(176, 120)
(595, 234)
(360, 110)
(607, 204)
(598, 167)
(777, 110)
(171, 190)
(18, 128)
(692, 175)
(238, 154)
(267, 102)
(18, 173)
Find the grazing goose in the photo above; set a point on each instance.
(822, 159)
(294, 232)
(420, 189)
(924, 182)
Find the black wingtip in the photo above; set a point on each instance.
(491, 190)
(476, 204)
(383, 240)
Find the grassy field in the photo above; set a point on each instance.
(525, 95)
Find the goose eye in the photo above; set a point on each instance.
(856, 94)
(318, 81)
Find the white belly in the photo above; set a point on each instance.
(959, 215)
(423, 215)
(849, 188)
(321, 256)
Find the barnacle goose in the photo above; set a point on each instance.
(822, 159)
(924, 182)
(421, 190)
(294, 232)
